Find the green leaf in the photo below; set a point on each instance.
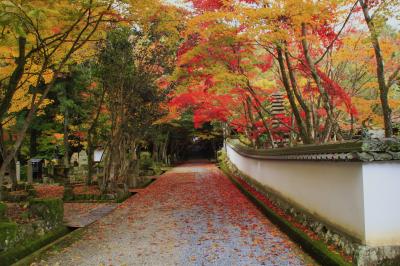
(36, 13)
(19, 30)
(5, 19)
(5, 4)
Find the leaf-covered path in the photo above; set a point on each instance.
(192, 215)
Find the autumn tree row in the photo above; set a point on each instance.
(98, 63)
(237, 53)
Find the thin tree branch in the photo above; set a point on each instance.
(337, 35)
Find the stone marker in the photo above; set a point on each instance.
(45, 175)
(18, 171)
(29, 172)
(74, 159)
(83, 158)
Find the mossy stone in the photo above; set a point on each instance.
(157, 170)
(3, 210)
(26, 247)
(146, 164)
(68, 193)
(17, 196)
(8, 234)
(32, 192)
(393, 144)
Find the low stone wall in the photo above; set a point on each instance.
(351, 202)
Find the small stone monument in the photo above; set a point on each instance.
(74, 161)
(83, 158)
(34, 169)
(79, 163)
(277, 111)
(29, 172)
(46, 166)
(18, 171)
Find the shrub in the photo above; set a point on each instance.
(50, 209)
(68, 193)
(146, 164)
(145, 155)
(3, 210)
(32, 192)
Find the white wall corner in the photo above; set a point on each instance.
(381, 189)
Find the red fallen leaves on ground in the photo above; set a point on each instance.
(287, 216)
(49, 191)
(188, 211)
(83, 189)
(57, 191)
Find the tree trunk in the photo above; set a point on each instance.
(292, 101)
(13, 174)
(16, 76)
(155, 155)
(165, 150)
(65, 139)
(380, 70)
(90, 161)
(21, 135)
(33, 142)
(300, 99)
(257, 107)
(317, 80)
(90, 138)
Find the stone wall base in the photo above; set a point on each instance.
(385, 255)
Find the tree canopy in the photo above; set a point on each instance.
(129, 75)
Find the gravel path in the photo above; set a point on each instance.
(192, 215)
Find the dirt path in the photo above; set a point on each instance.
(192, 215)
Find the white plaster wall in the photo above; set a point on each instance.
(331, 190)
(382, 203)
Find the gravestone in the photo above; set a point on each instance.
(83, 158)
(74, 161)
(79, 163)
(18, 171)
(45, 177)
(34, 169)
(29, 172)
